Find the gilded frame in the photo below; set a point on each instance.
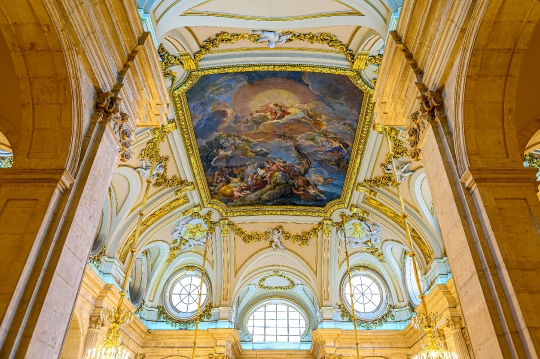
(185, 126)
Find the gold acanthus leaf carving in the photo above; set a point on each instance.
(399, 150)
(398, 219)
(206, 313)
(151, 219)
(302, 239)
(324, 38)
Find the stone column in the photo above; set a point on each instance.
(489, 222)
(48, 226)
(92, 336)
(455, 339)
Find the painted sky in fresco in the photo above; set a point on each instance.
(275, 138)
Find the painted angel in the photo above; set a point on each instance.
(275, 238)
(273, 37)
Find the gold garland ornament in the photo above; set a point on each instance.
(206, 313)
(369, 324)
(302, 239)
(325, 38)
(262, 286)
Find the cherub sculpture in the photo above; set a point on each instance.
(275, 238)
(402, 169)
(194, 235)
(273, 37)
(359, 233)
(144, 171)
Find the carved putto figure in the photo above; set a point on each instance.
(359, 233)
(144, 170)
(275, 238)
(192, 233)
(402, 169)
(273, 37)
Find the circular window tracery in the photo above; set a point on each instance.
(367, 294)
(276, 323)
(181, 293)
(370, 293)
(185, 293)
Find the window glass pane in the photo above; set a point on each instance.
(185, 293)
(367, 293)
(264, 326)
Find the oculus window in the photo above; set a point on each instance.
(185, 293)
(369, 293)
(276, 323)
(182, 293)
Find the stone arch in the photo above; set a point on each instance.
(486, 127)
(38, 100)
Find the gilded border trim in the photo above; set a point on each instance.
(185, 126)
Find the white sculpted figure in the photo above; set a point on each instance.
(402, 169)
(191, 241)
(144, 171)
(273, 37)
(275, 238)
(359, 233)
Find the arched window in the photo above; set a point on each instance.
(370, 294)
(276, 323)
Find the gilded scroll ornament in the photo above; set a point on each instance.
(371, 324)
(151, 219)
(261, 285)
(302, 239)
(206, 313)
(398, 219)
(532, 159)
(399, 151)
(324, 38)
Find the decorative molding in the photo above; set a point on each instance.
(96, 322)
(302, 239)
(454, 323)
(287, 36)
(206, 313)
(398, 219)
(261, 285)
(153, 218)
(364, 59)
(399, 151)
(372, 324)
(430, 107)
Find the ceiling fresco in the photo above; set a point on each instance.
(275, 138)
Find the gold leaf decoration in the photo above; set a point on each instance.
(399, 150)
(398, 219)
(262, 286)
(302, 239)
(151, 219)
(368, 324)
(206, 313)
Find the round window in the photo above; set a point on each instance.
(185, 293)
(182, 291)
(369, 293)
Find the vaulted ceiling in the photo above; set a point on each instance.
(295, 120)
